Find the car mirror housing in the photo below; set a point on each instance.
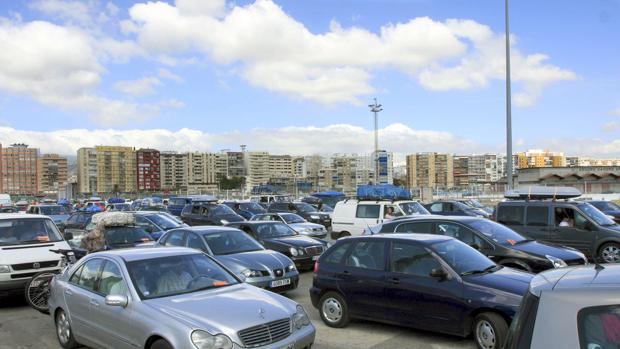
(438, 273)
(116, 300)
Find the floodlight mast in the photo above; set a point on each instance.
(376, 108)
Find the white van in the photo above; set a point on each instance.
(351, 217)
(5, 200)
(25, 244)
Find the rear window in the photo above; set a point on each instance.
(537, 216)
(336, 254)
(510, 215)
(367, 211)
(421, 227)
(599, 327)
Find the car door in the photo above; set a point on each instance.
(537, 218)
(78, 294)
(112, 324)
(366, 216)
(575, 234)
(418, 299)
(362, 278)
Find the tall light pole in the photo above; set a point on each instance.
(509, 181)
(376, 108)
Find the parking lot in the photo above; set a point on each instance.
(21, 327)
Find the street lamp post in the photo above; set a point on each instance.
(509, 182)
(376, 108)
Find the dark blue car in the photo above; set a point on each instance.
(176, 204)
(430, 282)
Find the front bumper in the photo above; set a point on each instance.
(326, 222)
(304, 262)
(265, 282)
(17, 279)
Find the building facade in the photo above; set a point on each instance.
(116, 169)
(87, 170)
(19, 170)
(536, 158)
(589, 180)
(53, 173)
(148, 170)
(173, 170)
(430, 170)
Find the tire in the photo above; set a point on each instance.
(37, 291)
(334, 310)
(489, 330)
(609, 253)
(161, 344)
(344, 234)
(64, 333)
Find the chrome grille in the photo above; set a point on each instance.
(29, 266)
(314, 250)
(265, 334)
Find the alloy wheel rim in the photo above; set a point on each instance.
(485, 335)
(332, 310)
(611, 254)
(63, 328)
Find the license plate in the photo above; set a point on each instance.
(315, 258)
(279, 283)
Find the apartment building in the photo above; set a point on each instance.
(19, 170)
(256, 169)
(281, 166)
(173, 170)
(461, 171)
(87, 170)
(148, 170)
(430, 170)
(580, 161)
(536, 158)
(116, 169)
(52, 172)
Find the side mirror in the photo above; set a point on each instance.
(439, 273)
(116, 301)
(68, 235)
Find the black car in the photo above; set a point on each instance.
(430, 282)
(307, 211)
(76, 221)
(209, 213)
(503, 245)
(454, 208)
(277, 236)
(246, 209)
(609, 208)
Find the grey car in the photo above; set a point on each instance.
(575, 307)
(163, 298)
(297, 222)
(240, 253)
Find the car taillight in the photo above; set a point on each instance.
(316, 267)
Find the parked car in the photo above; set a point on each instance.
(57, 213)
(9, 209)
(156, 223)
(455, 208)
(330, 198)
(307, 211)
(500, 243)
(208, 213)
(303, 250)
(351, 217)
(176, 204)
(5, 200)
(431, 282)
(76, 221)
(170, 298)
(477, 205)
(246, 209)
(119, 231)
(609, 208)
(298, 223)
(25, 244)
(119, 207)
(574, 224)
(569, 308)
(240, 253)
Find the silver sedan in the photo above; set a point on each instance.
(297, 222)
(170, 298)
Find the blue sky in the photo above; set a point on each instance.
(149, 69)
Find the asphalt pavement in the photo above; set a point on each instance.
(22, 327)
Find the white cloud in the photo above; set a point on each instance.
(612, 126)
(140, 87)
(77, 11)
(277, 52)
(166, 74)
(616, 112)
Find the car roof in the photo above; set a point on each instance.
(142, 253)
(520, 202)
(206, 229)
(436, 218)
(22, 216)
(426, 238)
(254, 223)
(45, 205)
(577, 278)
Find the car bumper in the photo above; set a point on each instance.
(18, 280)
(318, 234)
(315, 296)
(327, 223)
(303, 263)
(265, 283)
(300, 339)
(12, 285)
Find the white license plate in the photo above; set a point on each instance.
(279, 283)
(315, 258)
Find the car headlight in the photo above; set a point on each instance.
(204, 340)
(290, 268)
(5, 268)
(556, 262)
(329, 244)
(301, 251)
(314, 216)
(248, 273)
(294, 252)
(300, 319)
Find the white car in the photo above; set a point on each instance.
(25, 244)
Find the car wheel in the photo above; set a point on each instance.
(344, 234)
(490, 331)
(64, 332)
(334, 310)
(161, 344)
(610, 253)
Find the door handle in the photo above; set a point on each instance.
(68, 292)
(345, 273)
(94, 303)
(395, 281)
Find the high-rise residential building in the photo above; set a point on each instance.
(430, 170)
(236, 163)
(173, 170)
(257, 168)
(87, 170)
(300, 169)
(461, 171)
(148, 170)
(202, 174)
(281, 166)
(536, 158)
(18, 169)
(52, 172)
(116, 169)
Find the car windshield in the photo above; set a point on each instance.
(28, 231)
(164, 222)
(413, 208)
(53, 210)
(497, 232)
(252, 207)
(271, 231)
(229, 242)
(326, 208)
(292, 218)
(220, 210)
(127, 235)
(462, 258)
(474, 203)
(606, 205)
(461, 206)
(175, 275)
(599, 217)
(305, 208)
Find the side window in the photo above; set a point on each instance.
(412, 260)
(459, 232)
(436, 207)
(205, 211)
(537, 216)
(194, 241)
(111, 282)
(599, 327)
(367, 211)
(421, 227)
(175, 239)
(75, 278)
(367, 255)
(196, 209)
(90, 273)
(145, 224)
(448, 207)
(568, 217)
(335, 256)
(510, 215)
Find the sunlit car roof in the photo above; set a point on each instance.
(142, 253)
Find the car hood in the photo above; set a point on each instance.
(255, 260)
(225, 310)
(307, 225)
(505, 279)
(297, 241)
(542, 249)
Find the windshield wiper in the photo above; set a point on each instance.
(483, 271)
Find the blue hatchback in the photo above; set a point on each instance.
(429, 282)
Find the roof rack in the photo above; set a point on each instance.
(542, 193)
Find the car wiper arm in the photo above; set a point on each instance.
(483, 271)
